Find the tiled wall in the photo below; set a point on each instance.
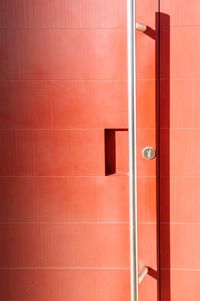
(180, 148)
(64, 222)
(64, 231)
(147, 85)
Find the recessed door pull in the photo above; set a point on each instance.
(142, 275)
(141, 27)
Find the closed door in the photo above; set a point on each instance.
(64, 218)
(180, 164)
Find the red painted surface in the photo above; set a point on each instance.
(64, 221)
(180, 167)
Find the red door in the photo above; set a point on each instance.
(147, 85)
(64, 218)
(180, 147)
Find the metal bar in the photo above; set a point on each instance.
(131, 27)
(141, 27)
(142, 275)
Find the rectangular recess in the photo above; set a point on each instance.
(116, 151)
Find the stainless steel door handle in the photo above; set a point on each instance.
(142, 275)
(131, 28)
(140, 26)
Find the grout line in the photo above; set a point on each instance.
(70, 176)
(180, 223)
(64, 222)
(179, 26)
(73, 129)
(180, 78)
(180, 176)
(63, 79)
(172, 128)
(180, 269)
(65, 268)
(123, 28)
(125, 175)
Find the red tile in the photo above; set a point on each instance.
(84, 199)
(59, 285)
(147, 246)
(33, 199)
(16, 153)
(147, 199)
(7, 153)
(184, 99)
(100, 199)
(176, 150)
(62, 104)
(180, 285)
(60, 153)
(145, 51)
(180, 246)
(181, 38)
(148, 289)
(64, 54)
(181, 203)
(64, 245)
(73, 102)
(24, 104)
(62, 14)
(145, 12)
(52, 153)
(146, 104)
(181, 14)
(87, 153)
(24, 153)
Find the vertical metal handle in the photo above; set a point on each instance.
(131, 27)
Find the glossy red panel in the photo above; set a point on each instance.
(147, 205)
(62, 153)
(62, 54)
(52, 153)
(184, 95)
(105, 99)
(146, 105)
(146, 11)
(69, 199)
(180, 13)
(147, 247)
(181, 64)
(145, 48)
(25, 104)
(63, 14)
(183, 285)
(146, 72)
(148, 290)
(65, 284)
(43, 104)
(176, 249)
(179, 149)
(184, 145)
(64, 245)
(184, 197)
(7, 153)
(64, 221)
